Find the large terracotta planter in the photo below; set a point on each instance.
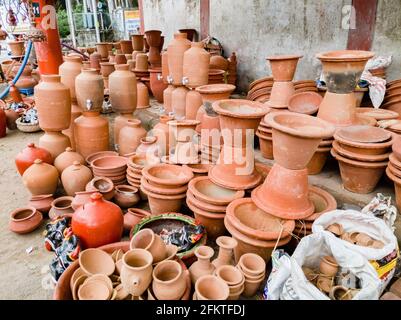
(156, 84)
(28, 155)
(40, 178)
(122, 89)
(196, 66)
(130, 136)
(175, 51)
(89, 85)
(54, 142)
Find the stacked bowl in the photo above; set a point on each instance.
(253, 268)
(165, 186)
(234, 278)
(135, 165)
(393, 170)
(392, 98)
(305, 86)
(362, 153)
(264, 133)
(216, 76)
(316, 164)
(112, 167)
(209, 203)
(260, 89)
(378, 114)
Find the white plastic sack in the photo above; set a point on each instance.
(383, 260)
(288, 281)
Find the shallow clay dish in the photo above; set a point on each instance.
(167, 174)
(363, 134)
(100, 154)
(305, 102)
(109, 163)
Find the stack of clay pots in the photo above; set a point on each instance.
(392, 98)
(234, 278)
(379, 114)
(112, 167)
(165, 186)
(254, 270)
(216, 76)
(209, 202)
(305, 86)
(260, 89)
(316, 164)
(135, 165)
(264, 133)
(362, 153)
(393, 170)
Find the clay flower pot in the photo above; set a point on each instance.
(107, 68)
(328, 266)
(133, 217)
(305, 102)
(75, 177)
(41, 203)
(28, 155)
(252, 265)
(40, 178)
(210, 287)
(148, 240)
(126, 196)
(61, 207)
(137, 42)
(25, 220)
(67, 158)
(16, 47)
(226, 247)
(266, 145)
(96, 155)
(168, 280)
(283, 67)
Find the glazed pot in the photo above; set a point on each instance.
(167, 98)
(133, 217)
(126, 196)
(61, 207)
(156, 84)
(178, 102)
(67, 158)
(126, 46)
(89, 86)
(103, 49)
(75, 178)
(146, 239)
(81, 197)
(283, 66)
(103, 185)
(28, 155)
(68, 71)
(143, 95)
(175, 51)
(202, 266)
(226, 247)
(98, 222)
(210, 287)
(54, 142)
(25, 220)
(41, 203)
(53, 103)
(122, 89)
(196, 66)
(130, 136)
(168, 280)
(40, 178)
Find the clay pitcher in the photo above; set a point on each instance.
(175, 51)
(40, 178)
(75, 177)
(123, 89)
(130, 136)
(89, 86)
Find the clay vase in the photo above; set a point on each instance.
(143, 95)
(123, 89)
(16, 47)
(89, 86)
(193, 101)
(28, 155)
(68, 71)
(98, 222)
(103, 185)
(162, 133)
(226, 251)
(95, 59)
(153, 38)
(75, 177)
(156, 84)
(41, 203)
(120, 122)
(148, 240)
(168, 280)
(103, 49)
(67, 158)
(137, 42)
(167, 98)
(130, 136)
(136, 272)
(126, 46)
(40, 178)
(91, 133)
(149, 147)
(178, 101)
(54, 142)
(3, 123)
(202, 266)
(175, 51)
(25, 220)
(211, 288)
(11, 118)
(53, 103)
(26, 80)
(196, 66)
(133, 217)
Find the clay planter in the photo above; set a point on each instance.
(130, 136)
(67, 158)
(305, 102)
(61, 207)
(28, 155)
(356, 156)
(103, 185)
(397, 186)
(25, 220)
(359, 176)
(211, 288)
(40, 178)
(16, 47)
(81, 197)
(328, 266)
(53, 102)
(126, 196)
(162, 204)
(283, 67)
(75, 177)
(133, 217)
(296, 137)
(266, 145)
(167, 175)
(146, 239)
(103, 49)
(226, 253)
(316, 164)
(175, 51)
(126, 46)
(122, 89)
(168, 281)
(196, 66)
(364, 134)
(234, 279)
(41, 203)
(156, 84)
(162, 191)
(98, 222)
(89, 86)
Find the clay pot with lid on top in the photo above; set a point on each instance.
(130, 136)
(89, 86)
(40, 178)
(175, 51)
(122, 89)
(25, 220)
(75, 177)
(67, 158)
(28, 155)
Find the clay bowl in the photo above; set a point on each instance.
(103, 185)
(378, 114)
(134, 174)
(109, 164)
(117, 174)
(256, 223)
(63, 291)
(25, 220)
(199, 169)
(204, 205)
(210, 287)
(100, 154)
(96, 261)
(163, 191)
(360, 157)
(61, 207)
(203, 189)
(364, 134)
(268, 79)
(305, 102)
(167, 175)
(93, 290)
(42, 203)
(138, 161)
(323, 202)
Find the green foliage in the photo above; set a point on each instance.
(62, 21)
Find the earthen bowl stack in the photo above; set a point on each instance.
(135, 165)
(305, 86)
(112, 167)
(264, 133)
(393, 170)
(259, 90)
(392, 98)
(362, 153)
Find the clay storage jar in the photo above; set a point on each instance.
(161, 131)
(28, 155)
(157, 85)
(25, 220)
(165, 71)
(103, 49)
(68, 71)
(67, 158)
(40, 178)
(167, 98)
(130, 136)
(54, 142)
(53, 102)
(41, 203)
(95, 59)
(89, 86)
(196, 65)
(175, 51)
(122, 89)
(75, 177)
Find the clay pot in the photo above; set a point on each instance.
(146, 239)
(156, 84)
(107, 68)
(396, 148)
(93, 290)
(41, 203)
(126, 196)
(178, 102)
(136, 273)
(103, 185)
(153, 38)
(40, 178)
(130, 136)
(95, 59)
(67, 158)
(196, 65)
(11, 118)
(28, 155)
(122, 89)
(175, 51)
(120, 58)
(316, 164)
(103, 49)
(167, 98)
(340, 293)
(96, 261)
(141, 62)
(137, 42)
(54, 142)
(89, 86)
(202, 266)
(16, 47)
(283, 67)
(98, 222)
(193, 101)
(61, 207)
(211, 287)
(226, 247)
(68, 71)
(53, 102)
(92, 157)
(167, 175)
(168, 281)
(159, 204)
(162, 133)
(81, 198)
(75, 177)
(218, 62)
(305, 102)
(234, 279)
(25, 220)
(252, 265)
(143, 95)
(26, 81)
(328, 266)
(126, 46)
(133, 217)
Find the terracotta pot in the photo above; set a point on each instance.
(266, 146)
(218, 62)
(345, 106)
(153, 38)
(191, 34)
(280, 95)
(305, 102)
(146, 239)
(89, 86)
(159, 204)
(397, 186)
(202, 266)
(26, 80)
(98, 222)
(75, 113)
(137, 42)
(196, 65)
(112, 57)
(143, 95)
(149, 147)
(167, 98)
(28, 155)
(126, 46)
(91, 133)
(68, 71)
(156, 84)
(41, 203)
(96, 262)
(40, 178)
(133, 217)
(25, 220)
(141, 62)
(328, 266)
(122, 89)
(11, 118)
(119, 122)
(61, 207)
(168, 280)
(54, 142)
(226, 247)
(107, 68)
(147, 185)
(359, 176)
(95, 59)
(126, 196)
(178, 102)
(360, 157)
(67, 158)
(53, 103)
(103, 185)
(130, 136)
(193, 101)
(136, 272)
(16, 47)
(316, 164)
(164, 67)
(175, 51)
(81, 198)
(211, 288)
(162, 133)
(75, 177)
(283, 67)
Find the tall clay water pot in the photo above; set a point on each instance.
(178, 101)
(40, 178)
(55, 142)
(130, 136)
(89, 85)
(94, 61)
(75, 177)
(193, 101)
(28, 155)
(165, 70)
(123, 89)
(156, 84)
(120, 122)
(175, 51)
(196, 65)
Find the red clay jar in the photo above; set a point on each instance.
(175, 51)
(42, 203)
(41, 178)
(28, 155)
(25, 220)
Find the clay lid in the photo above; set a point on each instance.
(284, 57)
(216, 88)
(240, 108)
(364, 134)
(345, 55)
(378, 114)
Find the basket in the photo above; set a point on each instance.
(27, 127)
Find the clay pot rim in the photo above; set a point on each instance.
(394, 170)
(263, 110)
(233, 269)
(115, 167)
(393, 177)
(307, 94)
(158, 190)
(160, 265)
(131, 161)
(108, 180)
(347, 135)
(73, 59)
(248, 182)
(145, 252)
(360, 164)
(263, 137)
(204, 213)
(359, 157)
(348, 55)
(204, 205)
(138, 212)
(362, 145)
(40, 197)
(105, 255)
(126, 186)
(96, 284)
(391, 114)
(220, 282)
(284, 57)
(184, 123)
(19, 210)
(221, 241)
(187, 174)
(255, 82)
(193, 167)
(394, 161)
(389, 97)
(216, 88)
(161, 196)
(59, 199)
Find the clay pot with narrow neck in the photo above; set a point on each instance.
(133, 217)
(196, 66)
(156, 84)
(130, 136)
(126, 196)
(193, 101)
(137, 42)
(26, 80)
(178, 102)
(175, 51)
(168, 280)
(25, 220)
(210, 287)
(67, 158)
(120, 122)
(143, 95)
(28, 155)
(53, 103)
(95, 59)
(167, 98)
(54, 142)
(149, 147)
(122, 89)
(226, 247)
(89, 86)
(126, 46)
(68, 71)
(16, 47)
(75, 177)
(103, 49)
(98, 222)
(153, 37)
(283, 66)
(162, 133)
(40, 178)
(202, 266)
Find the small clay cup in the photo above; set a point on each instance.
(328, 266)
(168, 280)
(148, 240)
(210, 287)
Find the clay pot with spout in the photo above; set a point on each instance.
(75, 177)
(54, 142)
(89, 86)
(156, 84)
(130, 136)
(175, 51)
(196, 65)
(122, 89)
(40, 178)
(28, 155)
(169, 281)
(202, 266)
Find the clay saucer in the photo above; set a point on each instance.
(305, 102)
(378, 114)
(360, 157)
(204, 205)
(164, 191)
(261, 80)
(109, 163)
(167, 175)
(395, 162)
(99, 154)
(77, 273)
(364, 134)
(96, 261)
(77, 283)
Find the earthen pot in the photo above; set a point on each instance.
(252, 265)
(11, 118)
(119, 122)
(396, 148)
(210, 287)
(96, 261)
(54, 142)
(75, 178)
(126, 196)
(202, 266)
(93, 290)
(283, 66)
(167, 98)
(161, 131)
(107, 68)
(328, 266)
(363, 134)
(143, 95)
(26, 80)
(28, 155)
(193, 101)
(41, 203)
(319, 158)
(305, 102)
(378, 114)
(266, 145)
(126, 46)
(40, 178)
(149, 147)
(146, 239)
(95, 59)
(67, 158)
(61, 207)
(16, 47)
(161, 203)
(133, 217)
(178, 102)
(120, 58)
(226, 251)
(196, 65)
(204, 205)
(167, 175)
(81, 197)
(168, 280)
(96, 155)
(103, 185)
(98, 222)
(68, 71)
(156, 84)
(103, 49)
(175, 51)
(199, 170)
(25, 220)
(122, 89)
(130, 136)
(137, 42)
(89, 86)
(360, 157)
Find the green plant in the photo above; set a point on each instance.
(62, 21)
